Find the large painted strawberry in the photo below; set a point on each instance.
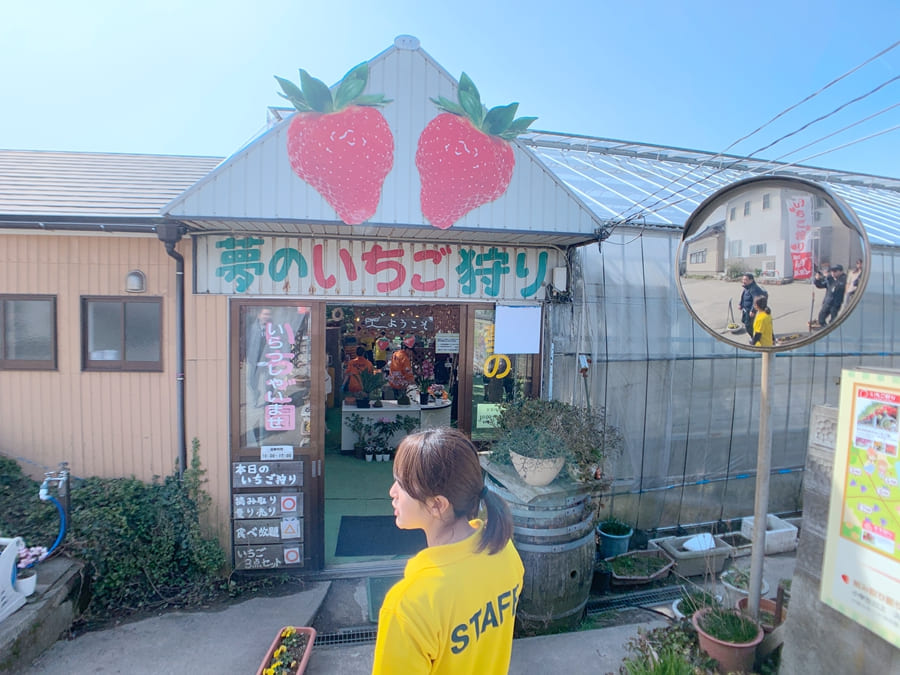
(464, 156)
(342, 145)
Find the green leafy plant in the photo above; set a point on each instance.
(728, 625)
(143, 544)
(669, 650)
(580, 435)
(694, 599)
(372, 384)
(615, 527)
(532, 442)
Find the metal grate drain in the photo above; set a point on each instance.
(347, 636)
(655, 596)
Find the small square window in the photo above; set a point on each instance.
(122, 333)
(28, 332)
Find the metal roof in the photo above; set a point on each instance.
(660, 186)
(87, 187)
(615, 179)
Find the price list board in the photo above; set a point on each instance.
(267, 514)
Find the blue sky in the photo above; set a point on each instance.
(194, 77)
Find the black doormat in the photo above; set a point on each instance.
(376, 535)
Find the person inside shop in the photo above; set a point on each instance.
(355, 366)
(763, 333)
(750, 292)
(835, 285)
(469, 567)
(401, 375)
(380, 350)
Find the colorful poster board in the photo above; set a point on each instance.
(861, 567)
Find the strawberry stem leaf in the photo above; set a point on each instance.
(316, 92)
(314, 95)
(351, 85)
(498, 121)
(293, 94)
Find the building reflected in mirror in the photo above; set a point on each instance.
(787, 239)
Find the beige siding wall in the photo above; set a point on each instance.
(113, 424)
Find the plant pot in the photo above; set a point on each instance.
(694, 563)
(614, 544)
(423, 398)
(648, 566)
(26, 583)
(362, 403)
(601, 582)
(733, 657)
(737, 591)
(310, 634)
(537, 472)
(369, 457)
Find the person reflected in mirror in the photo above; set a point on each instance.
(256, 340)
(454, 609)
(763, 333)
(835, 284)
(751, 291)
(853, 279)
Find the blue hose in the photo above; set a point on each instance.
(59, 537)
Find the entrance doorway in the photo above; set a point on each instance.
(415, 350)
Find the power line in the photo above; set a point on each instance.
(721, 153)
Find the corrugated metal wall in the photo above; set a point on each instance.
(112, 424)
(688, 404)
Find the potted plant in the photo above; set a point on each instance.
(737, 581)
(289, 652)
(370, 453)
(729, 637)
(535, 454)
(26, 573)
(615, 536)
(372, 384)
(583, 439)
(693, 599)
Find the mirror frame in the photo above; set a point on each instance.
(843, 212)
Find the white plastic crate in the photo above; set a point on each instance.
(781, 536)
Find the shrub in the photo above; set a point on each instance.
(142, 544)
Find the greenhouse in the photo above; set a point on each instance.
(688, 404)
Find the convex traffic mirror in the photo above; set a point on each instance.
(787, 239)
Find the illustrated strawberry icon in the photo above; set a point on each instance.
(464, 156)
(342, 145)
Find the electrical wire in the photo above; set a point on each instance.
(649, 208)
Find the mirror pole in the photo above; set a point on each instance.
(763, 468)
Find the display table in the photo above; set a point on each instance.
(435, 414)
(389, 410)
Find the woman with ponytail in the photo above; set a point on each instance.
(454, 609)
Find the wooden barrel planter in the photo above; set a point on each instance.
(555, 540)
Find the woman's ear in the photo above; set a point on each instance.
(440, 506)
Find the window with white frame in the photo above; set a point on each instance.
(767, 201)
(698, 257)
(27, 332)
(747, 208)
(758, 249)
(121, 333)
